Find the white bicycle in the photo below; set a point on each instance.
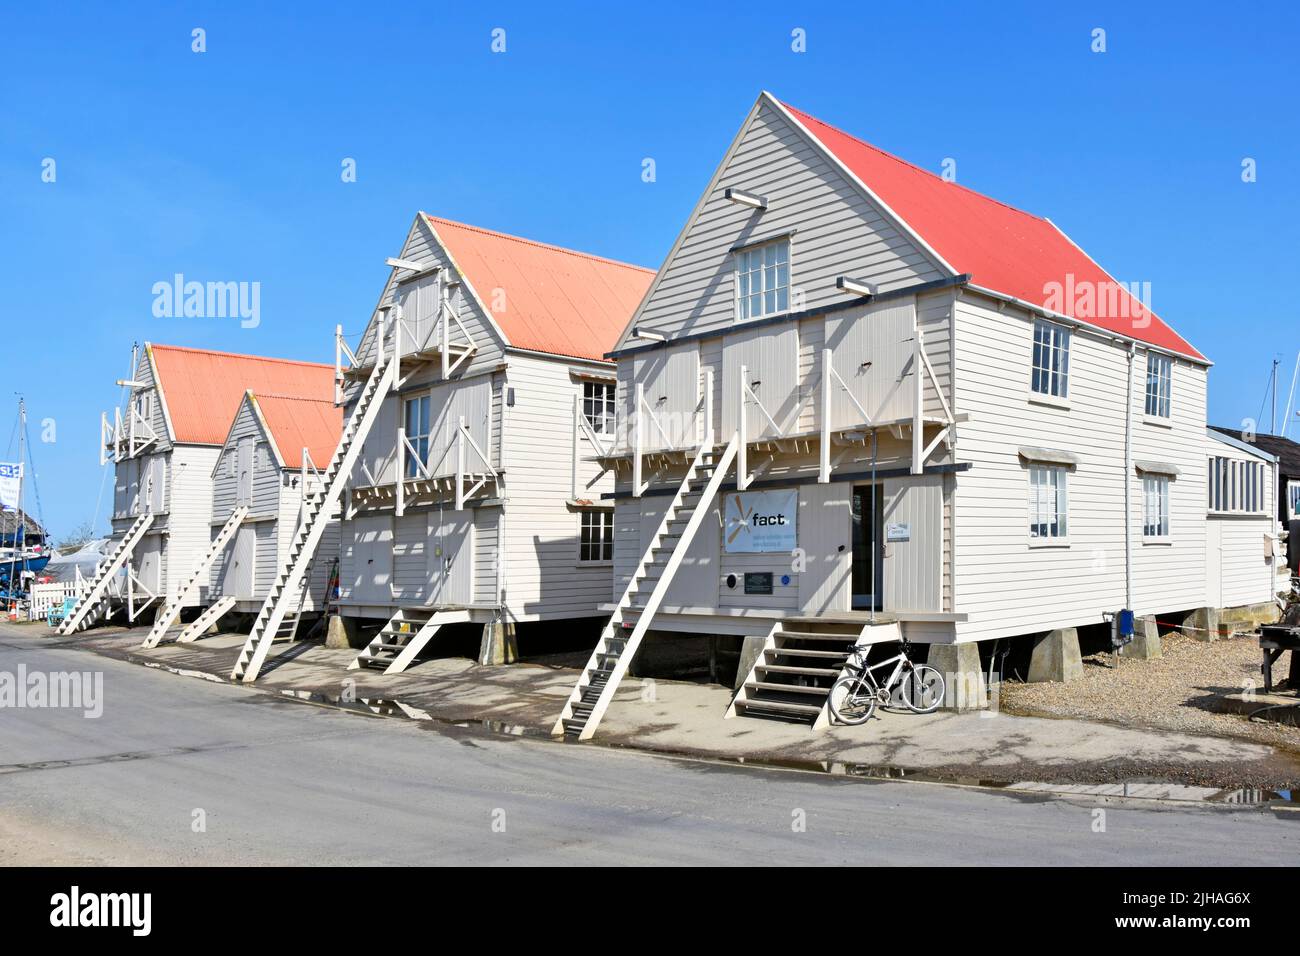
(854, 698)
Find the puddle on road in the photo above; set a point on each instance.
(390, 707)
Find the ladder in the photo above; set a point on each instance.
(211, 614)
(645, 592)
(405, 635)
(117, 558)
(168, 615)
(791, 679)
(320, 503)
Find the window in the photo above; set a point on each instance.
(1048, 502)
(763, 280)
(144, 406)
(1155, 506)
(597, 540)
(1237, 487)
(1293, 496)
(598, 406)
(1051, 375)
(417, 433)
(1159, 377)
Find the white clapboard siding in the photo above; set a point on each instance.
(1008, 587)
(839, 232)
(189, 512)
(543, 576)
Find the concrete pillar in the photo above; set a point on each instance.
(965, 687)
(750, 651)
(499, 645)
(342, 632)
(1146, 640)
(1056, 657)
(1203, 624)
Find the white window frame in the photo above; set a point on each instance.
(1236, 486)
(595, 536)
(772, 296)
(1049, 361)
(1159, 390)
(1049, 504)
(1293, 499)
(418, 441)
(598, 405)
(1155, 508)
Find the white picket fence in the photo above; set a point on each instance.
(47, 596)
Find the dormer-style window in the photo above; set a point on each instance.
(1159, 381)
(763, 280)
(1051, 370)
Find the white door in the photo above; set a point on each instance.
(913, 544)
(1213, 563)
(241, 562)
(369, 557)
(872, 352)
(244, 472)
(770, 357)
(148, 566)
(419, 301)
(154, 470)
(671, 381)
(449, 403)
(451, 557)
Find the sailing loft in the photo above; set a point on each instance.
(856, 403)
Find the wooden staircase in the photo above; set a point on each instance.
(97, 595)
(211, 614)
(792, 677)
(645, 592)
(407, 633)
(172, 610)
(274, 620)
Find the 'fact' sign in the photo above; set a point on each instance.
(761, 521)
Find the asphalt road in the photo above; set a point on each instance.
(275, 781)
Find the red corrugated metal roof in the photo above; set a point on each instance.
(296, 423)
(202, 389)
(1003, 248)
(555, 300)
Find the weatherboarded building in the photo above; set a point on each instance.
(860, 402)
(164, 440)
(479, 409)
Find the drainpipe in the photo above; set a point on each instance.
(1128, 482)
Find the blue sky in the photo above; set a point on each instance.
(225, 165)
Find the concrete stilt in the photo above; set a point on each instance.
(499, 645)
(749, 654)
(1203, 624)
(342, 632)
(966, 688)
(1146, 641)
(1056, 657)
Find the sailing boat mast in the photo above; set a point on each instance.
(17, 554)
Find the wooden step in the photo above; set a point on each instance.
(791, 669)
(798, 652)
(818, 636)
(786, 688)
(780, 707)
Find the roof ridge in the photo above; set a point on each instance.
(920, 169)
(533, 242)
(291, 398)
(239, 355)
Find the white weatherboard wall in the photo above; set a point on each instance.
(839, 232)
(543, 576)
(1238, 569)
(1006, 585)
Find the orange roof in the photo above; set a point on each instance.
(555, 300)
(202, 389)
(296, 423)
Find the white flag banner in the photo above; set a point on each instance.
(10, 477)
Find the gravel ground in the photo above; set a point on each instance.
(1177, 692)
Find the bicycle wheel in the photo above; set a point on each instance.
(922, 690)
(852, 701)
